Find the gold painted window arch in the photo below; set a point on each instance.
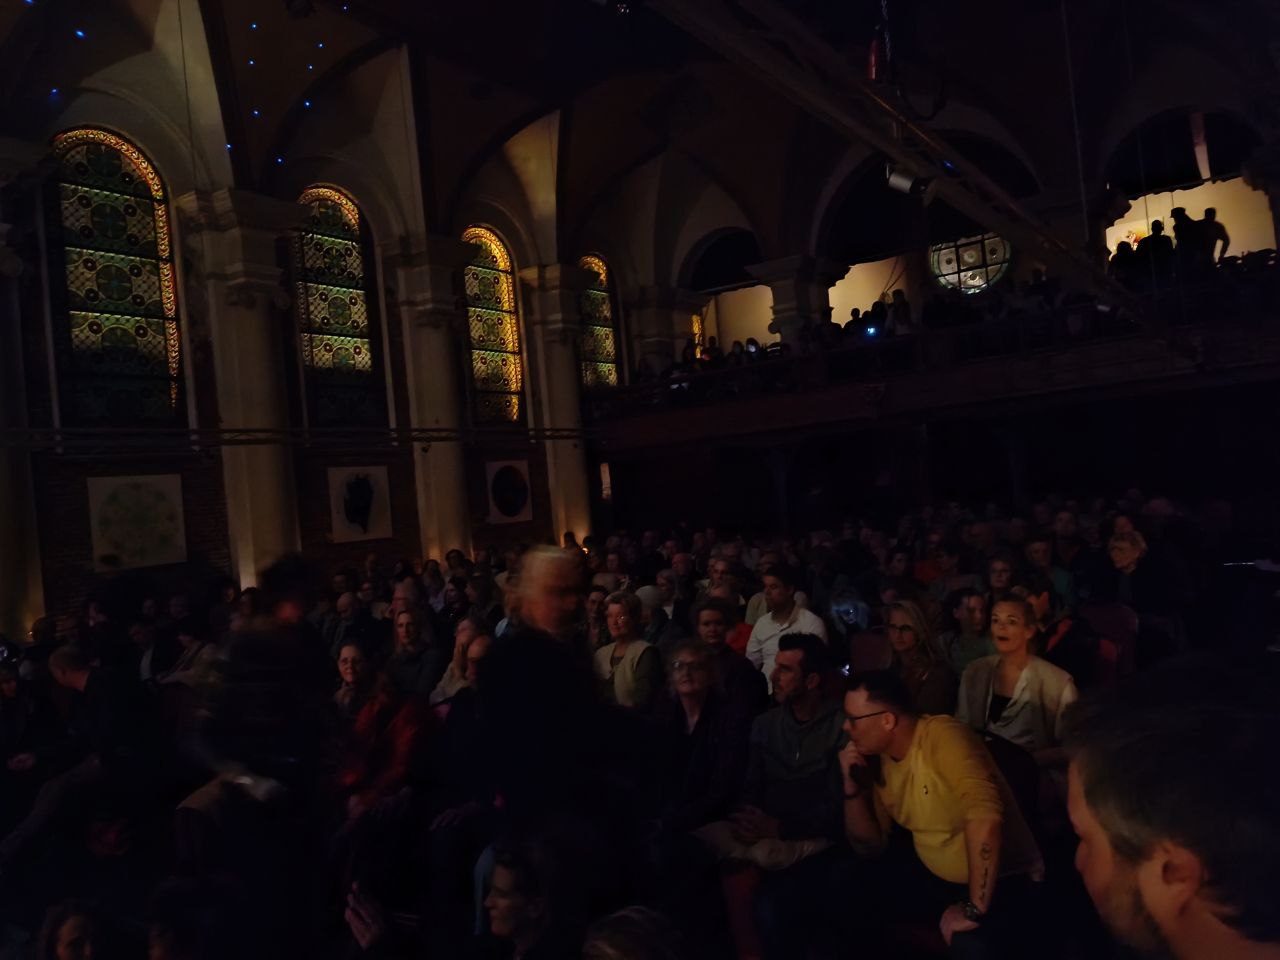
(493, 324)
(598, 343)
(120, 350)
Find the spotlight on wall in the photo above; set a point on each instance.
(922, 187)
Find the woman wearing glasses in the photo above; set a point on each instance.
(629, 669)
(706, 742)
(928, 677)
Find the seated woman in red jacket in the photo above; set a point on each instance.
(385, 748)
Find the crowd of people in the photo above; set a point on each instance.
(1191, 265)
(1190, 255)
(944, 733)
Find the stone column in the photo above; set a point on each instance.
(800, 286)
(555, 320)
(662, 321)
(21, 573)
(432, 309)
(237, 234)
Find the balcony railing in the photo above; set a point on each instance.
(1234, 296)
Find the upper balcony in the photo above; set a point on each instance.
(1222, 330)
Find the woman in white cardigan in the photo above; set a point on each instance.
(1015, 694)
(630, 670)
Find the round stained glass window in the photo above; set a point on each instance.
(972, 264)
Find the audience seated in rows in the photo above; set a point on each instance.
(332, 763)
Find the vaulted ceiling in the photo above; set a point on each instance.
(631, 86)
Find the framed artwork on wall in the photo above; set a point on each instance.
(359, 503)
(510, 496)
(136, 521)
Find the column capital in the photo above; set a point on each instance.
(668, 298)
(800, 285)
(429, 250)
(428, 271)
(228, 209)
(552, 300)
(557, 276)
(1261, 170)
(246, 228)
(20, 158)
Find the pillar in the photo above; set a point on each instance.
(21, 576)
(662, 321)
(553, 315)
(238, 233)
(432, 309)
(800, 285)
(1261, 171)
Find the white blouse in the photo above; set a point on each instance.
(1033, 717)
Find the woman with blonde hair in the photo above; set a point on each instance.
(629, 668)
(927, 675)
(1015, 694)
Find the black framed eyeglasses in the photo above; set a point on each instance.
(855, 717)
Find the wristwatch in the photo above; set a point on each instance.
(971, 911)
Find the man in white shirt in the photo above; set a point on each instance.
(784, 616)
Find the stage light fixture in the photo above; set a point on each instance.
(901, 182)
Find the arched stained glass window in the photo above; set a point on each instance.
(494, 330)
(598, 348)
(335, 326)
(119, 348)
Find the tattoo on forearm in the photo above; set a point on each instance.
(985, 853)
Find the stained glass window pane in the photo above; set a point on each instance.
(120, 361)
(333, 314)
(494, 330)
(972, 264)
(597, 345)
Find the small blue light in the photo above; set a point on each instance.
(252, 61)
(279, 159)
(306, 103)
(311, 66)
(871, 331)
(346, 7)
(948, 164)
(53, 92)
(81, 34)
(320, 45)
(257, 113)
(228, 146)
(253, 26)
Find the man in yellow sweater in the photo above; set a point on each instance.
(932, 776)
